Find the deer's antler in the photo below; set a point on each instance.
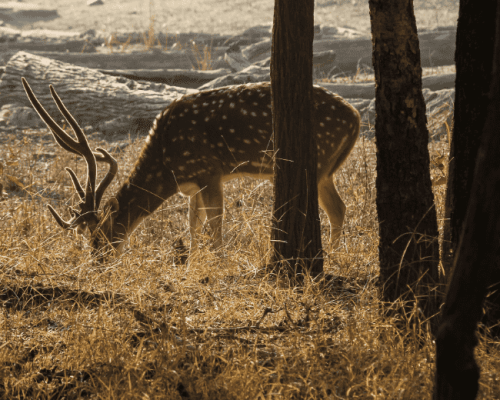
(90, 197)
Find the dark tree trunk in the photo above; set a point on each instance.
(408, 249)
(474, 58)
(457, 373)
(296, 234)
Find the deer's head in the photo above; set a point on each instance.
(103, 232)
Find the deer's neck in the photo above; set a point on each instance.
(149, 184)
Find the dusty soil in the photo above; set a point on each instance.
(214, 16)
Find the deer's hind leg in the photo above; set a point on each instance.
(332, 204)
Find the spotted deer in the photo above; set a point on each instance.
(195, 145)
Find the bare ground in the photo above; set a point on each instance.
(215, 16)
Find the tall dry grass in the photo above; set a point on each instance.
(145, 325)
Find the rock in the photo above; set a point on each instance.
(95, 2)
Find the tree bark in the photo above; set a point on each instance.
(296, 234)
(474, 58)
(457, 373)
(408, 249)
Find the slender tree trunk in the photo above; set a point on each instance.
(296, 234)
(474, 59)
(409, 253)
(457, 373)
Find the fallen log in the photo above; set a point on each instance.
(115, 104)
(437, 48)
(73, 46)
(187, 78)
(367, 90)
(151, 59)
(107, 103)
(254, 74)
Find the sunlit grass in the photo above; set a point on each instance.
(146, 325)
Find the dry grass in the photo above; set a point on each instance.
(151, 40)
(146, 326)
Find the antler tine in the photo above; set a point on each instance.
(62, 223)
(113, 170)
(101, 188)
(81, 146)
(60, 136)
(77, 185)
(104, 156)
(82, 143)
(73, 223)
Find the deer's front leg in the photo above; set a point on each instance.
(213, 202)
(197, 216)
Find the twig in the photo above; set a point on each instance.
(289, 317)
(266, 311)
(147, 322)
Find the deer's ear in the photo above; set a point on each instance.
(113, 205)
